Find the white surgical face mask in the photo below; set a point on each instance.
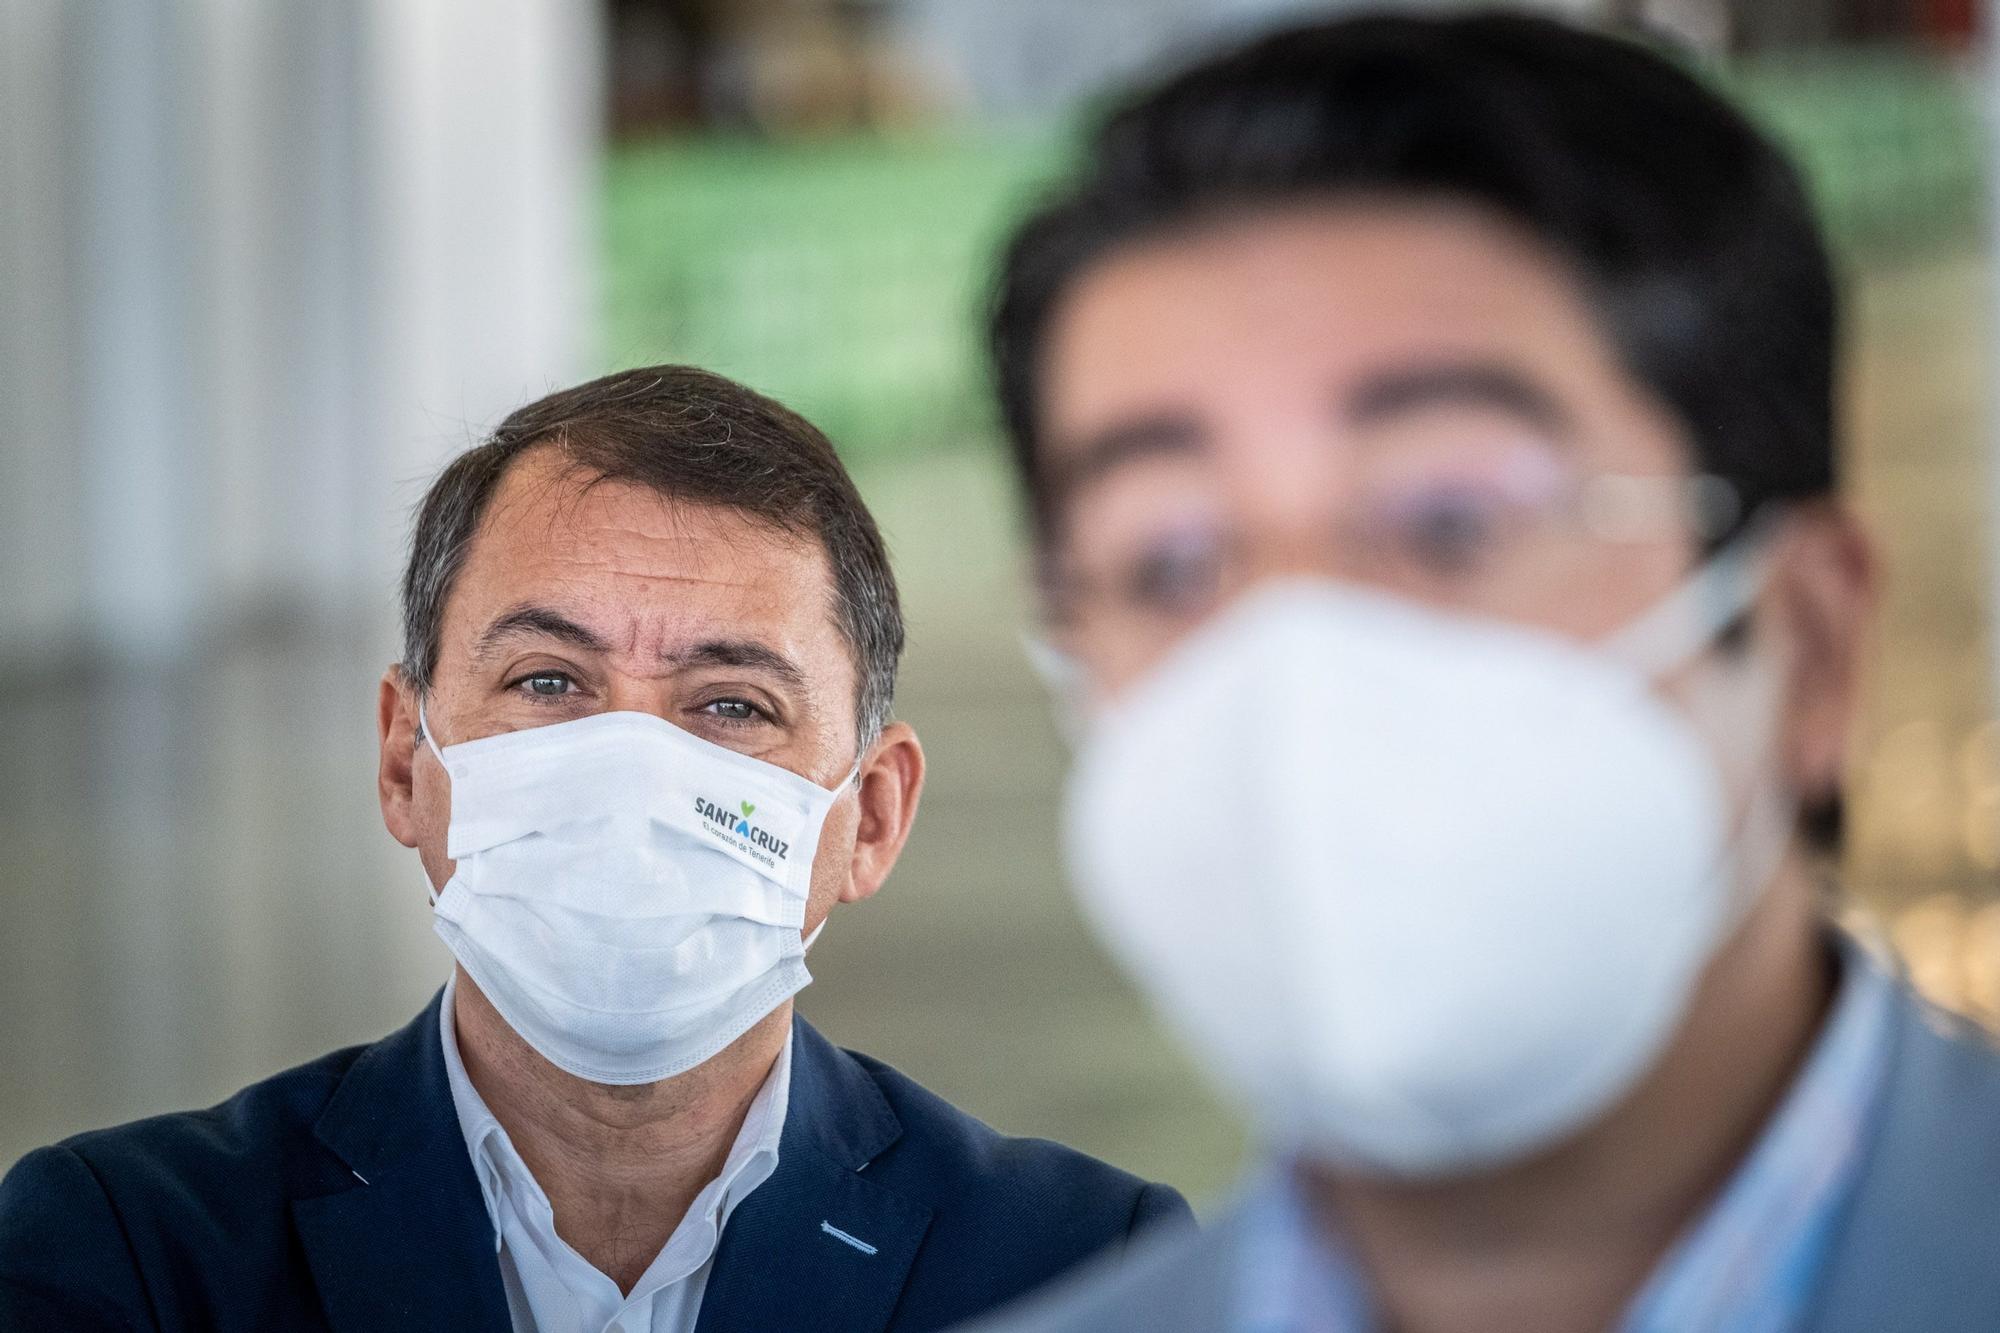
(1428, 893)
(629, 896)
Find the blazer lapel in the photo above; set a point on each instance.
(406, 1243)
(818, 1245)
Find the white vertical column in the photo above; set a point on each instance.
(263, 263)
(483, 117)
(42, 597)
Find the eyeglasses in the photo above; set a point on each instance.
(1478, 542)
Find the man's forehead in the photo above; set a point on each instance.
(1317, 308)
(553, 527)
(546, 492)
(1279, 353)
(1350, 276)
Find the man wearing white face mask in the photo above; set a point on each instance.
(1428, 427)
(640, 740)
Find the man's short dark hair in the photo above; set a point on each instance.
(695, 437)
(1690, 234)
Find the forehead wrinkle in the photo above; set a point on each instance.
(568, 538)
(678, 516)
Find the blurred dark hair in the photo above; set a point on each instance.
(692, 436)
(1690, 234)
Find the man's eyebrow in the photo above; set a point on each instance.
(1161, 434)
(1456, 384)
(740, 653)
(529, 621)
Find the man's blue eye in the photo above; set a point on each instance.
(734, 709)
(548, 684)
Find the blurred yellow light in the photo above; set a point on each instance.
(1929, 935)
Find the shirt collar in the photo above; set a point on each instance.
(752, 1159)
(1755, 1257)
(1294, 1277)
(1752, 1260)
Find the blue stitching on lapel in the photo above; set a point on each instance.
(839, 1235)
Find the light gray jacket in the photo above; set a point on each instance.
(1918, 1250)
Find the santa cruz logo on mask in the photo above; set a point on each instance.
(734, 827)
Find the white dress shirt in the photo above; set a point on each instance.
(553, 1289)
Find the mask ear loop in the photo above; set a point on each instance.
(1675, 631)
(852, 779)
(1762, 836)
(1764, 827)
(1684, 622)
(424, 730)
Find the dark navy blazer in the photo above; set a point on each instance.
(340, 1195)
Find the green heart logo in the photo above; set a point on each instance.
(748, 809)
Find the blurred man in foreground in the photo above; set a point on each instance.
(1428, 426)
(640, 739)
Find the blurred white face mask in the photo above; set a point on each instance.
(628, 895)
(1428, 893)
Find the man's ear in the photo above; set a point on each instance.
(1824, 581)
(395, 775)
(891, 783)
